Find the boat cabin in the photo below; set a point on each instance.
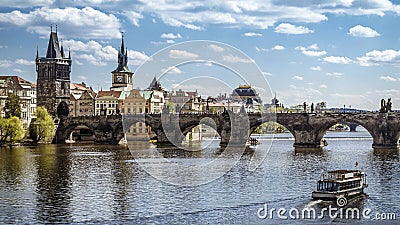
(340, 180)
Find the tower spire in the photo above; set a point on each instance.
(37, 52)
(62, 49)
(122, 43)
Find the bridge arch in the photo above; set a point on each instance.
(188, 126)
(68, 130)
(349, 118)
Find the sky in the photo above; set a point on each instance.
(344, 52)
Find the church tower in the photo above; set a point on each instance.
(53, 78)
(122, 77)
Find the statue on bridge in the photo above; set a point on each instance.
(386, 106)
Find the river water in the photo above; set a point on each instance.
(104, 184)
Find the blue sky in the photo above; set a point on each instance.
(345, 52)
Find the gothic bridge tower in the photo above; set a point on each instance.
(53, 78)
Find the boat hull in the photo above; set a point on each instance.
(323, 195)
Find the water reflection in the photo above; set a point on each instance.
(104, 184)
(53, 184)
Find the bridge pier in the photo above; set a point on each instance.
(306, 139)
(352, 126)
(387, 132)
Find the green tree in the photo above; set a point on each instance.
(11, 130)
(12, 106)
(171, 107)
(42, 127)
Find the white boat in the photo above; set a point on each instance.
(340, 185)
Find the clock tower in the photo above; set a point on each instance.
(122, 77)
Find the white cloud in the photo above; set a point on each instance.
(287, 28)
(5, 63)
(136, 58)
(337, 59)
(323, 86)
(278, 47)
(25, 62)
(335, 74)
(96, 54)
(313, 53)
(261, 49)
(376, 57)
(360, 31)
(297, 78)
(177, 23)
(83, 23)
(82, 77)
(388, 78)
(133, 16)
(216, 48)
(313, 47)
(182, 54)
(235, 59)
(172, 69)
(252, 14)
(251, 34)
(311, 50)
(171, 36)
(316, 68)
(18, 71)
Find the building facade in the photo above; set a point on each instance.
(107, 103)
(135, 103)
(53, 78)
(82, 100)
(186, 102)
(26, 92)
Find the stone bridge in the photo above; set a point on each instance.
(308, 129)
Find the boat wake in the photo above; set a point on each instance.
(312, 203)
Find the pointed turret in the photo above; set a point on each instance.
(37, 52)
(53, 48)
(122, 58)
(122, 43)
(62, 51)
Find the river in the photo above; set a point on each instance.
(105, 185)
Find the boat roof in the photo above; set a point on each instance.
(342, 171)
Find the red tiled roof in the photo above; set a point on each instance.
(17, 79)
(116, 94)
(77, 86)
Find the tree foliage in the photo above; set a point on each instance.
(12, 106)
(269, 127)
(11, 130)
(171, 107)
(41, 127)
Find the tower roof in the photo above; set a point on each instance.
(53, 48)
(122, 59)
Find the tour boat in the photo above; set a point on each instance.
(340, 185)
